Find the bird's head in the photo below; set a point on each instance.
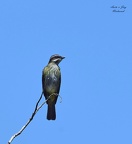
(56, 59)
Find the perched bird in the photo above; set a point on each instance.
(51, 81)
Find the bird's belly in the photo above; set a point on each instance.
(52, 85)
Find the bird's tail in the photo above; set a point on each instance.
(51, 114)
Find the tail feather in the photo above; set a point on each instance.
(51, 113)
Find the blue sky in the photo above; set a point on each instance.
(96, 73)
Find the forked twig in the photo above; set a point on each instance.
(33, 114)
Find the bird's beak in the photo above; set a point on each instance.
(63, 57)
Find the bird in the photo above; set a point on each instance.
(51, 81)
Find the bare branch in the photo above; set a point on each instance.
(31, 118)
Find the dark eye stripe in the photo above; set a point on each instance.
(55, 56)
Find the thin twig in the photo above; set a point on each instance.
(31, 118)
